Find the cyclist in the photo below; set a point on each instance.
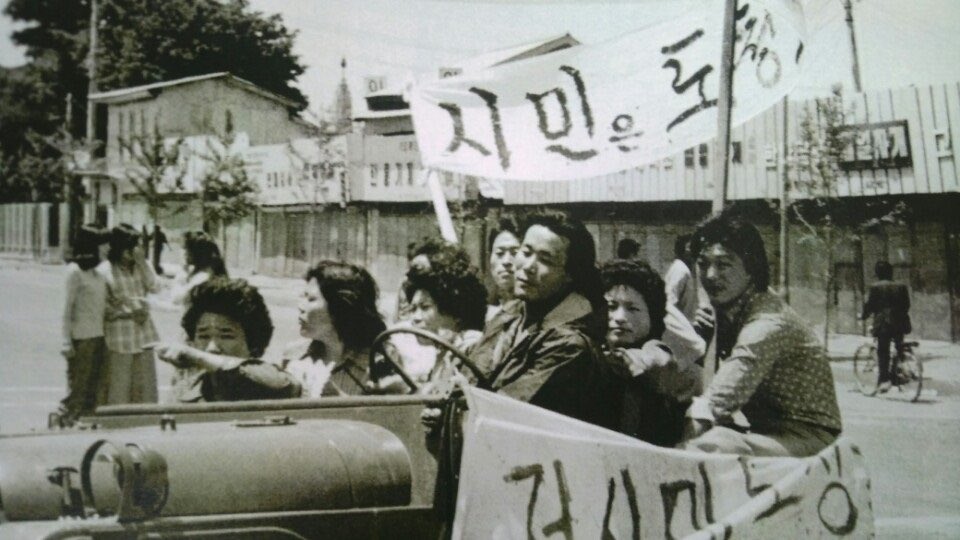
(889, 303)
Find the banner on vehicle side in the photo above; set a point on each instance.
(593, 110)
(530, 473)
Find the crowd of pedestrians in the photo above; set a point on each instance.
(705, 358)
(108, 332)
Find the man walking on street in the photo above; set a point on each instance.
(159, 240)
(889, 303)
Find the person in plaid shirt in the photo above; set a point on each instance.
(131, 374)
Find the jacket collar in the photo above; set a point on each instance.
(574, 306)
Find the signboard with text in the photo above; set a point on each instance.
(880, 145)
(531, 473)
(603, 108)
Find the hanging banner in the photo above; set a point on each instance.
(592, 110)
(530, 473)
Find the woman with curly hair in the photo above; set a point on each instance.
(228, 328)
(202, 261)
(657, 383)
(339, 319)
(447, 299)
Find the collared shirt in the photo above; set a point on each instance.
(554, 363)
(322, 378)
(126, 293)
(773, 368)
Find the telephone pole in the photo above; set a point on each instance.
(848, 7)
(92, 73)
(724, 104)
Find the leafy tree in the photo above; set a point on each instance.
(156, 168)
(26, 114)
(56, 43)
(827, 221)
(227, 193)
(328, 164)
(320, 164)
(145, 41)
(140, 42)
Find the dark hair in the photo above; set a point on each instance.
(438, 249)
(504, 224)
(680, 246)
(204, 252)
(457, 291)
(628, 248)
(646, 281)
(122, 238)
(86, 249)
(581, 256)
(351, 296)
(236, 299)
(883, 270)
(732, 232)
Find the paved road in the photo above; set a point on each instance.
(911, 449)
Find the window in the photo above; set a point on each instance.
(689, 158)
(374, 173)
(399, 173)
(736, 152)
(409, 173)
(704, 149)
(386, 175)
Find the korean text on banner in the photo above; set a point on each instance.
(530, 473)
(598, 109)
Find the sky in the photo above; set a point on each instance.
(899, 42)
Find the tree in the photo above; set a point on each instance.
(827, 220)
(156, 168)
(227, 193)
(319, 162)
(140, 42)
(145, 41)
(27, 115)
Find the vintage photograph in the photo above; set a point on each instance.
(304, 269)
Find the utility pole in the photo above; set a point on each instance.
(785, 207)
(92, 73)
(724, 104)
(848, 7)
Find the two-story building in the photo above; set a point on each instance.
(193, 110)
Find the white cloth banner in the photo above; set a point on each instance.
(593, 110)
(530, 473)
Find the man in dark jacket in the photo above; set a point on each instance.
(543, 348)
(889, 303)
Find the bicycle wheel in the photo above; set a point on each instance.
(909, 376)
(865, 369)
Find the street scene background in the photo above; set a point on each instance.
(910, 448)
(303, 148)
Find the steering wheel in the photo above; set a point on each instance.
(377, 345)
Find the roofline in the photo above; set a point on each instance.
(148, 91)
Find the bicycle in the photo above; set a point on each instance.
(906, 372)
